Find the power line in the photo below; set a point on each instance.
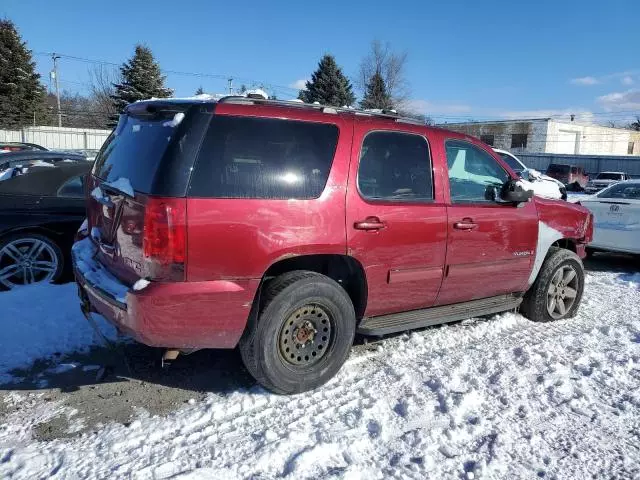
(215, 76)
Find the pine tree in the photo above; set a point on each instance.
(200, 90)
(376, 95)
(328, 85)
(141, 80)
(21, 93)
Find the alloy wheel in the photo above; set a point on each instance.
(562, 291)
(27, 260)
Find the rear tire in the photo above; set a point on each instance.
(303, 333)
(557, 292)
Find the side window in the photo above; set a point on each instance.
(395, 166)
(622, 190)
(245, 157)
(472, 172)
(74, 187)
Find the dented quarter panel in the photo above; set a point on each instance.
(567, 218)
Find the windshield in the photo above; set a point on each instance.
(554, 168)
(515, 165)
(609, 176)
(135, 149)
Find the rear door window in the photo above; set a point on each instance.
(248, 157)
(395, 166)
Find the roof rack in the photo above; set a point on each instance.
(389, 114)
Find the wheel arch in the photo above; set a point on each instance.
(344, 269)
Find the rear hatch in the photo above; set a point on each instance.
(136, 205)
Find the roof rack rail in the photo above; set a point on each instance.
(389, 114)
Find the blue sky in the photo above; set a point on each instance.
(465, 59)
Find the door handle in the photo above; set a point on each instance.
(465, 224)
(369, 223)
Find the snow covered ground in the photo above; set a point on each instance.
(40, 321)
(493, 398)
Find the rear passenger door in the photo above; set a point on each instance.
(396, 220)
(490, 246)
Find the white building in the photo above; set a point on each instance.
(546, 135)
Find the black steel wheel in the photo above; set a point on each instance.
(302, 334)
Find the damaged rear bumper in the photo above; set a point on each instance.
(183, 315)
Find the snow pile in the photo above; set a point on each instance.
(497, 398)
(38, 321)
(175, 121)
(94, 272)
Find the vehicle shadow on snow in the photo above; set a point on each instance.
(613, 262)
(207, 371)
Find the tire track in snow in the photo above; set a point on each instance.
(499, 397)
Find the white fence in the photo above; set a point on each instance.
(58, 138)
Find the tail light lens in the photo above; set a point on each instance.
(165, 232)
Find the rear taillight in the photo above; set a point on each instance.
(165, 231)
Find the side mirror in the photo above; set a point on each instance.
(515, 191)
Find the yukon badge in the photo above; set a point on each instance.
(524, 253)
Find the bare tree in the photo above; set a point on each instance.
(102, 79)
(392, 66)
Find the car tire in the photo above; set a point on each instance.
(14, 245)
(566, 288)
(302, 335)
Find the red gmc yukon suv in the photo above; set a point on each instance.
(285, 228)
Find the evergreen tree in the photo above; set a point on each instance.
(141, 80)
(199, 91)
(635, 125)
(243, 89)
(328, 85)
(21, 93)
(376, 95)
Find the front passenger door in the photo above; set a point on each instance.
(490, 246)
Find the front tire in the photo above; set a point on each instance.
(303, 333)
(557, 292)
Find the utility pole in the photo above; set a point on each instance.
(54, 73)
(230, 80)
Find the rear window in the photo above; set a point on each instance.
(609, 176)
(553, 168)
(135, 150)
(244, 157)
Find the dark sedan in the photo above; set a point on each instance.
(20, 147)
(41, 208)
(33, 157)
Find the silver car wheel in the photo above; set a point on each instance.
(27, 260)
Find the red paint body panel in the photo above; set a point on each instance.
(182, 314)
(403, 261)
(418, 259)
(574, 222)
(495, 257)
(241, 238)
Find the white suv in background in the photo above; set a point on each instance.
(541, 184)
